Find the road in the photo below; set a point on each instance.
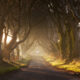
(38, 69)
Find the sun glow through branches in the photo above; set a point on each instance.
(9, 38)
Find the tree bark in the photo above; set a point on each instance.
(1, 33)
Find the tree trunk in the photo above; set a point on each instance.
(17, 53)
(1, 33)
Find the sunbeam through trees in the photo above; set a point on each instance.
(44, 33)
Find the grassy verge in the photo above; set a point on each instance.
(73, 67)
(11, 66)
(5, 67)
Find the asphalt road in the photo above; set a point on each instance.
(38, 69)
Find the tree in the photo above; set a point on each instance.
(15, 24)
(66, 16)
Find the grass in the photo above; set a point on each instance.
(73, 66)
(5, 67)
(25, 61)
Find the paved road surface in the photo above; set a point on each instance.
(38, 69)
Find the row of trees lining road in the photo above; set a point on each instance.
(60, 18)
(14, 25)
(65, 17)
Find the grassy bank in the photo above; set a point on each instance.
(11, 66)
(73, 66)
(5, 67)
